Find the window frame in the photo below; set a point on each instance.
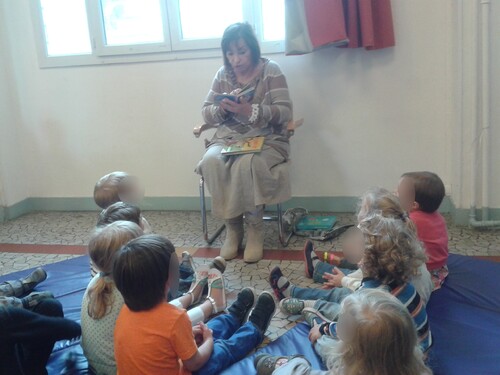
(174, 48)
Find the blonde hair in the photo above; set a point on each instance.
(381, 200)
(384, 340)
(107, 190)
(103, 245)
(393, 252)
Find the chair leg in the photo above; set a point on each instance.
(284, 241)
(209, 239)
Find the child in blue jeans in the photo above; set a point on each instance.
(374, 335)
(392, 253)
(152, 336)
(334, 280)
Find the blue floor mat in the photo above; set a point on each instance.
(464, 316)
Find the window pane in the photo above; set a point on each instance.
(202, 19)
(132, 21)
(66, 27)
(273, 19)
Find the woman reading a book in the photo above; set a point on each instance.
(248, 98)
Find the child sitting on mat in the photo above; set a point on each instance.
(120, 187)
(375, 334)
(421, 194)
(102, 302)
(30, 325)
(129, 212)
(392, 253)
(154, 337)
(377, 200)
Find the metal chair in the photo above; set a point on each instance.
(283, 237)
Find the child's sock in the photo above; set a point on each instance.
(315, 261)
(285, 286)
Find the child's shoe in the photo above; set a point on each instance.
(265, 363)
(34, 298)
(312, 315)
(199, 282)
(280, 284)
(218, 263)
(263, 312)
(216, 291)
(244, 302)
(309, 256)
(294, 306)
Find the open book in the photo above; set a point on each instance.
(246, 93)
(244, 146)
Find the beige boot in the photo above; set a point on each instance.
(254, 249)
(234, 236)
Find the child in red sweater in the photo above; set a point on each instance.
(421, 194)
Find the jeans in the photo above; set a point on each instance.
(322, 267)
(232, 343)
(331, 295)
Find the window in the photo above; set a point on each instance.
(81, 32)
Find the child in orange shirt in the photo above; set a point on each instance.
(154, 337)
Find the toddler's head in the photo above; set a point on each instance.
(421, 191)
(120, 211)
(377, 336)
(393, 252)
(103, 245)
(144, 270)
(115, 187)
(382, 201)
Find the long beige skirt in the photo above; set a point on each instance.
(239, 183)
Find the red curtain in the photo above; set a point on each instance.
(311, 24)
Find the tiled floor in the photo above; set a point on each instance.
(183, 229)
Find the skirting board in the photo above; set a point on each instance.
(317, 204)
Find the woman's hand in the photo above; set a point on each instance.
(334, 279)
(242, 108)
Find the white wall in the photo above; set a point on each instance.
(369, 115)
(13, 182)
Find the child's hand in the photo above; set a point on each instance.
(198, 335)
(334, 279)
(205, 331)
(314, 333)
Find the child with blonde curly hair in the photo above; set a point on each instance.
(391, 255)
(374, 335)
(336, 284)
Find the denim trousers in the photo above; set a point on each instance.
(321, 267)
(331, 295)
(232, 342)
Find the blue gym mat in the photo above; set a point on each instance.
(464, 317)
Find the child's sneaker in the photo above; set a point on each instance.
(312, 315)
(30, 282)
(309, 256)
(244, 302)
(263, 312)
(265, 363)
(218, 263)
(33, 299)
(294, 306)
(216, 291)
(279, 283)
